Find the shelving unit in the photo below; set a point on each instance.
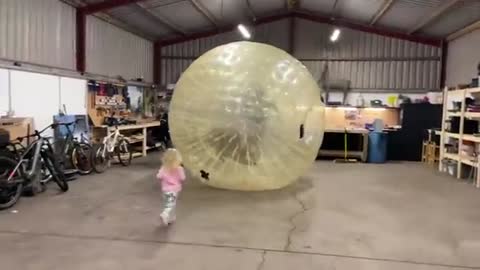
(460, 95)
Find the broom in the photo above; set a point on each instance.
(345, 152)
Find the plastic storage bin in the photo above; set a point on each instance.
(377, 147)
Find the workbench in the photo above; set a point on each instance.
(362, 155)
(101, 131)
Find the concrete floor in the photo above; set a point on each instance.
(339, 216)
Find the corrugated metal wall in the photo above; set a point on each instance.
(176, 58)
(112, 51)
(369, 61)
(40, 32)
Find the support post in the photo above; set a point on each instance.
(157, 63)
(443, 63)
(80, 40)
(292, 36)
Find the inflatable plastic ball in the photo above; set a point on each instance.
(247, 116)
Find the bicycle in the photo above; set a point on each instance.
(113, 143)
(15, 150)
(77, 153)
(15, 175)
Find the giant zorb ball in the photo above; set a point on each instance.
(247, 116)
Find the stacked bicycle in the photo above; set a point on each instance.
(24, 167)
(113, 145)
(75, 154)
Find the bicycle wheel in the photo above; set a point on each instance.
(123, 151)
(56, 172)
(82, 158)
(100, 158)
(11, 191)
(45, 175)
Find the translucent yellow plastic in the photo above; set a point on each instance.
(247, 116)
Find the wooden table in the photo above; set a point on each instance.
(141, 126)
(362, 155)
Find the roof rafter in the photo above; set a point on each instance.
(316, 18)
(381, 11)
(435, 15)
(205, 12)
(106, 5)
(175, 28)
(250, 10)
(366, 28)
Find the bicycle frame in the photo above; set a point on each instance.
(110, 142)
(68, 139)
(36, 147)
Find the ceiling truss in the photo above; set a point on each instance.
(435, 15)
(387, 4)
(173, 27)
(205, 12)
(293, 9)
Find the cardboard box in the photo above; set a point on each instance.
(17, 126)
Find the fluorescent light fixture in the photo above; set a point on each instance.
(244, 31)
(335, 35)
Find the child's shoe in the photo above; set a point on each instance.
(163, 220)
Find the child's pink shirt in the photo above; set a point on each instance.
(171, 180)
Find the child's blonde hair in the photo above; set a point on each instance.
(171, 159)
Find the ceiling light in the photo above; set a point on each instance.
(335, 35)
(244, 31)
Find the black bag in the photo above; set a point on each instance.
(4, 138)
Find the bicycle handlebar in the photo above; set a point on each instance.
(68, 124)
(37, 133)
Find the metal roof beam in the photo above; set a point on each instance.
(175, 28)
(383, 9)
(467, 29)
(193, 36)
(367, 28)
(250, 10)
(435, 15)
(204, 11)
(125, 26)
(106, 5)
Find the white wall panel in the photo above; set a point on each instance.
(38, 31)
(35, 95)
(112, 51)
(4, 92)
(463, 58)
(352, 98)
(73, 95)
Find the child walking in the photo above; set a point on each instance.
(171, 176)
